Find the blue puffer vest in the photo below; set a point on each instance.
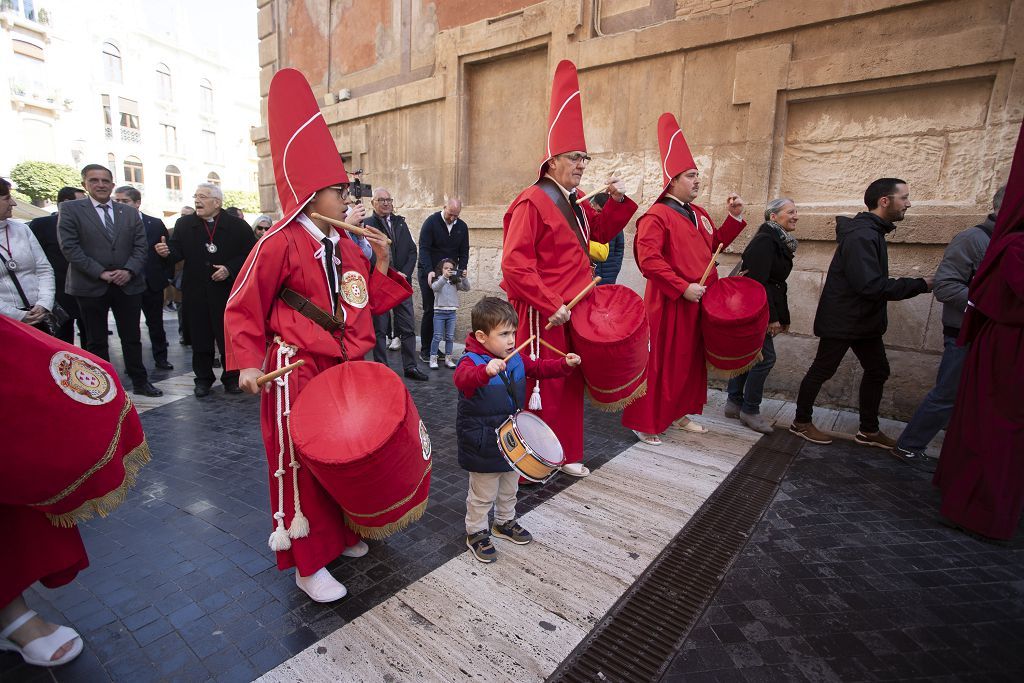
(480, 415)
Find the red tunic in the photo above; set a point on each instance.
(981, 469)
(286, 257)
(544, 266)
(672, 253)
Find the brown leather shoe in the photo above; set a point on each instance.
(807, 430)
(876, 439)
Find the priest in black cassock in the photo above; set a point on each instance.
(214, 245)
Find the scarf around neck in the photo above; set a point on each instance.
(791, 242)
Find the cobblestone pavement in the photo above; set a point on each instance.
(181, 584)
(850, 577)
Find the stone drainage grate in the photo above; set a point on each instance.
(639, 636)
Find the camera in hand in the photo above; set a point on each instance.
(454, 278)
(358, 189)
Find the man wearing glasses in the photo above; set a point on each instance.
(545, 261)
(852, 310)
(213, 244)
(403, 259)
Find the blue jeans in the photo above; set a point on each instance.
(934, 411)
(444, 327)
(746, 390)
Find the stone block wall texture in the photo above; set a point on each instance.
(810, 100)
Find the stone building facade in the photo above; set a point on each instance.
(810, 100)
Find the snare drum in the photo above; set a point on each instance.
(530, 447)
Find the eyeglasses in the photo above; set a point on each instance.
(341, 189)
(577, 157)
(389, 200)
(203, 197)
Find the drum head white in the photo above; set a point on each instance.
(539, 437)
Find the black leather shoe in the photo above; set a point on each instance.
(164, 365)
(201, 390)
(232, 389)
(424, 356)
(416, 374)
(148, 389)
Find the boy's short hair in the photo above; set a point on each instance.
(490, 312)
(440, 265)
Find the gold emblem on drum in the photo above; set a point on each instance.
(707, 224)
(424, 441)
(353, 289)
(81, 379)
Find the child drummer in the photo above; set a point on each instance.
(491, 389)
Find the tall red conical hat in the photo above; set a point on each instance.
(305, 156)
(565, 120)
(675, 153)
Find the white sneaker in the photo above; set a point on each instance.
(321, 586)
(357, 550)
(433, 362)
(395, 344)
(576, 469)
(449, 363)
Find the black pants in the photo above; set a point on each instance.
(153, 311)
(66, 332)
(127, 310)
(427, 323)
(870, 353)
(405, 319)
(205, 315)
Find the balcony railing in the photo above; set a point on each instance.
(108, 131)
(175, 196)
(131, 135)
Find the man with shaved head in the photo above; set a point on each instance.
(443, 236)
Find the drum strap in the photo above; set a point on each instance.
(549, 188)
(507, 381)
(308, 309)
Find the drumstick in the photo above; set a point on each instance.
(576, 299)
(518, 348)
(348, 226)
(552, 347)
(711, 265)
(590, 194)
(271, 376)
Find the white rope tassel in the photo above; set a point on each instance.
(279, 539)
(300, 525)
(533, 320)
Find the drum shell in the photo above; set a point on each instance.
(523, 457)
(369, 451)
(734, 321)
(611, 334)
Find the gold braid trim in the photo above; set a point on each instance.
(616, 406)
(390, 508)
(379, 532)
(612, 391)
(717, 357)
(729, 374)
(100, 464)
(104, 505)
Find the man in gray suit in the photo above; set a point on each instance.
(105, 245)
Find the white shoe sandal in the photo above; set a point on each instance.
(649, 439)
(357, 550)
(321, 586)
(690, 426)
(39, 651)
(576, 469)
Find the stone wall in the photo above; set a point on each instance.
(810, 100)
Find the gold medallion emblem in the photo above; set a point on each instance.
(707, 225)
(424, 441)
(353, 289)
(81, 379)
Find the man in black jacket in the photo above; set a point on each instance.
(443, 236)
(852, 310)
(45, 230)
(403, 259)
(156, 275)
(214, 245)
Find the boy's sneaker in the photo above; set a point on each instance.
(480, 544)
(807, 430)
(449, 363)
(511, 531)
(732, 410)
(876, 439)
(433, 362)
(908, 456)
(395, 344)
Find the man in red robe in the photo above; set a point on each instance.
(674, 243)
(305, 292)
(981, 469)
(545, 260)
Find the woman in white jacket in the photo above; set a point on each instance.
(27, 285)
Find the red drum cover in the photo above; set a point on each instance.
(611, 334)
(356, 428)
(73, 442)
(734, 320)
